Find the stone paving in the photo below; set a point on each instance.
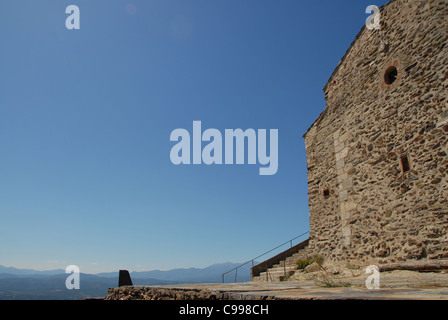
(393, 285)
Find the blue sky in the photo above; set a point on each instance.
(86, 117)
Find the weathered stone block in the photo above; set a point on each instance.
(313, 267)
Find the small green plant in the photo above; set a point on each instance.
(301, 264)
(330, 283)
(318, 259)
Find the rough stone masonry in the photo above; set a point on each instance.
(377, 155)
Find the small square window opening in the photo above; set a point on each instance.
(404, 162)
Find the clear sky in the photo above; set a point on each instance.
(86, 117)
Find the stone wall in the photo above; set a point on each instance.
(167, 293)
(377, 156)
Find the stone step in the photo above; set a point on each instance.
(259, 279)
(282, 268)
(268, 278)
(277, 271)
(288, 267)
(274, 274)
(286, 263)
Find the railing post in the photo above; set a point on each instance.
(284, 267)
(267, 271)
(236, 274)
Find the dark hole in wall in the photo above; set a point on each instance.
(390, 75)
(405, 166)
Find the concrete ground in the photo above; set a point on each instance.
(393, 285)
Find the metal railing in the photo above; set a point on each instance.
(252, 260)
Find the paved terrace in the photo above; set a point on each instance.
(393, 285)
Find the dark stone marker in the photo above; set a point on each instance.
(124, 278)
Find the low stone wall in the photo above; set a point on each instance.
(159, 293)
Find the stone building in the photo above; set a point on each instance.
(377, 155)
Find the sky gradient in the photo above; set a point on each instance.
(86, 117)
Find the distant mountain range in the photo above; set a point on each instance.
(29, 284)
